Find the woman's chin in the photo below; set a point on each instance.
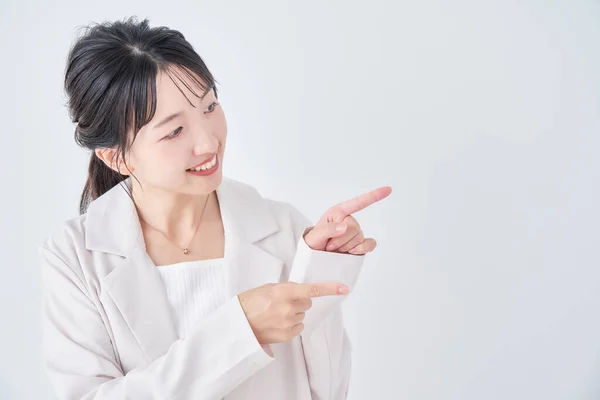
(200, 185)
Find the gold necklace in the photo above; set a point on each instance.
(186, 250)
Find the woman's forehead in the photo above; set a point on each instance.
(179, 85)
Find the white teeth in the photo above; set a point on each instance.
(208, 165)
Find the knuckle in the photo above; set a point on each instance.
(314, 291)
(289, 334)
(308, 303)
(330, 214)
(304, 304)
(286, 335)
(290, 324)
(288, 310)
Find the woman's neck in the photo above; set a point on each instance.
(174, 214)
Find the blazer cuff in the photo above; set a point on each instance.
(312, 266)
(248, 339)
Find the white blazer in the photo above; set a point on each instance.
(108, 329)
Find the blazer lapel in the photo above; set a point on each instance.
(247, 221)
(138, 291)
(134, 284)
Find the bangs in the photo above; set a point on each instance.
(141, 98)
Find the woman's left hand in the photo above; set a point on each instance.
(326, 234)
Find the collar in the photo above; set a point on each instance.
(113, 226)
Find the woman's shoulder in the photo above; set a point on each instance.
(64, 244)
(69, 233)
(281, 209)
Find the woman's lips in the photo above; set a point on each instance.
(205, 172)
(203, 162)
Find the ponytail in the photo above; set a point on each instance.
(100, 180)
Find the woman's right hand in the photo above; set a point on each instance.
(275, 311)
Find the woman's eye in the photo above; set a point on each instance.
(175, 133)
(211, 107)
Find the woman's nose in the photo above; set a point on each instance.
(204, 141)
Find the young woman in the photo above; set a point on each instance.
(176, 282)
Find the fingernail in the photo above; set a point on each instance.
(340, 228)
(343, 289)
(329, 247)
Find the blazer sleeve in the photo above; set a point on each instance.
(81, 362)
(327, 348)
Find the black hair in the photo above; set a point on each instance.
(110, 82)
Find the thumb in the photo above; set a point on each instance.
(318, 236)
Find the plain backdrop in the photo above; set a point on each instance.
(484, 117)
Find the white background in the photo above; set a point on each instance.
(483, 116)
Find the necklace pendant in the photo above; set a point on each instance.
(185, 251)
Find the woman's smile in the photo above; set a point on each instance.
(205, 169)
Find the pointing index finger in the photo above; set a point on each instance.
(311, 290)
(364, 200)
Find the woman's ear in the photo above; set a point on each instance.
(113, 160)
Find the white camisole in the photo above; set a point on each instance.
(194, 289)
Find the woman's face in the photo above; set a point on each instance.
(179, 137)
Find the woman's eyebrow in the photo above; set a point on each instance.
(177, 114)
(169, 118)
